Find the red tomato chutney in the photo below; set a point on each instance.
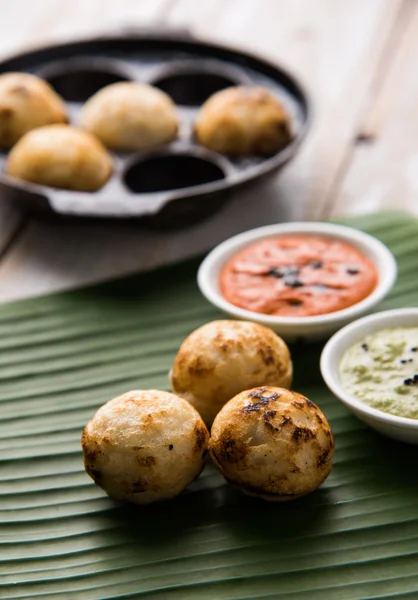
(297, 275)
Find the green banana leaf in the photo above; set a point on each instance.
(62, 356)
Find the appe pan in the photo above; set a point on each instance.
(182, 182)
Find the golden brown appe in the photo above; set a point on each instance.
(222, 358)
(131, 116)
(241, 121)
(144, 446)
(27, 102)
(272, 443)
(60, 156)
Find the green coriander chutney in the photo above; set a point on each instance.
(382, 371)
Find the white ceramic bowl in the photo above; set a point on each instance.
(398, 428)
(292, 328)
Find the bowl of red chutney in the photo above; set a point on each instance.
(304, 280)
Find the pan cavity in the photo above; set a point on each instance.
(171, 171)
(192, 85)
(77, 80)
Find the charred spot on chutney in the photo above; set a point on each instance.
(279, 272)
(316, 264)
(293, 282)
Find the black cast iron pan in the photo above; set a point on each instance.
(182, 182)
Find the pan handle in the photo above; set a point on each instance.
(154, 30)
(23, 194)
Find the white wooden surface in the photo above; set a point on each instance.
(383, 172)
(339, 50)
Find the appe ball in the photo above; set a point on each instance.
(60, 156)
(144, 446)
(243, 121)
(27, 102)
(131, 116)
(272, 443)
(222, 358)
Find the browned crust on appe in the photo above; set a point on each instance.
(202, 438)
(233, 454)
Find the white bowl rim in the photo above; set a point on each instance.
(365, 242)
(337, 388)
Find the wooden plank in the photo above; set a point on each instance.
(383, 173)
(332, 47)
(62, 255)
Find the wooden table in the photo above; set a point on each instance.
(357, 59)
